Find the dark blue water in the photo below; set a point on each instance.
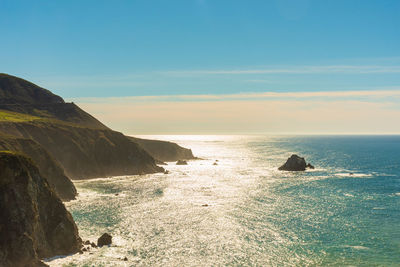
(347, 211)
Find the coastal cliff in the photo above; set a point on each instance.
(86, 152)
(78, 142)
(48, 167)
(34, 223)
(164, 150)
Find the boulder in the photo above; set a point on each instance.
(104, 240)
(295, 163)
(181, 162)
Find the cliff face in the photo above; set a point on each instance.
(163, 150)
(48, 167)
(83, 146)
(84, 152)
(34, 223)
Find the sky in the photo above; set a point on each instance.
(213, 66)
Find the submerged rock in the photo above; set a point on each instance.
(34, 223)
(181, 162)
(104, 240)
(295, 163)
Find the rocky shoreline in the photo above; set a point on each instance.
(44, 143)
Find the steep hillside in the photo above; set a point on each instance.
(21, 96)
(85, 152)
(82, 145)
(163, 150)
(34, 223)
(14, 90)
(48, 167)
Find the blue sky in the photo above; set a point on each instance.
(127, 48)
(104, 53)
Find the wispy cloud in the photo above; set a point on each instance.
(344, 69)
(247, 116)
(393, 95)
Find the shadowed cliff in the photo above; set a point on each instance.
(85, 152)
(83, 146)
(163, 150)
(48, 167)
(34, 223)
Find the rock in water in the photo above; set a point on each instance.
(104, 240)
(295, 163)
(34, 223)
(181, 162)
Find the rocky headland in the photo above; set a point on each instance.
(79, 143)
(47, 142)
(34, 223)
(48, 167)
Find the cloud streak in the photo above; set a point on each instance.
(393, 93)
(342, 69)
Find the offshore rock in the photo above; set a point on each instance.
(34, 223)
(181, 162)
(104, 240)
(295, 163)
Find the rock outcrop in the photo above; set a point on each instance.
(295, 163)
(164, 150)
(104, 240)
(34, 223)
(85, 152)
(48, 167)
(19, 95)
(181, 162)
(83, 146)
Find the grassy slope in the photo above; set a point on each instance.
(10, 116)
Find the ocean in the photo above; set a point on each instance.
(244, 212)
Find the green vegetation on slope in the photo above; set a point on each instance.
(10, 116)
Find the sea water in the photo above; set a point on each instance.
(244, 212)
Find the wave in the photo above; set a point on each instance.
(353, 174)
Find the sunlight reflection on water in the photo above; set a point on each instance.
(239, 212)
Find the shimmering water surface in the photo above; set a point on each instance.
(256, 215)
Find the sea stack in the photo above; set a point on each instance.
(34, 223)
(295, 163)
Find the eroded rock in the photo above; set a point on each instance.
(295, 163)
(104, 240)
